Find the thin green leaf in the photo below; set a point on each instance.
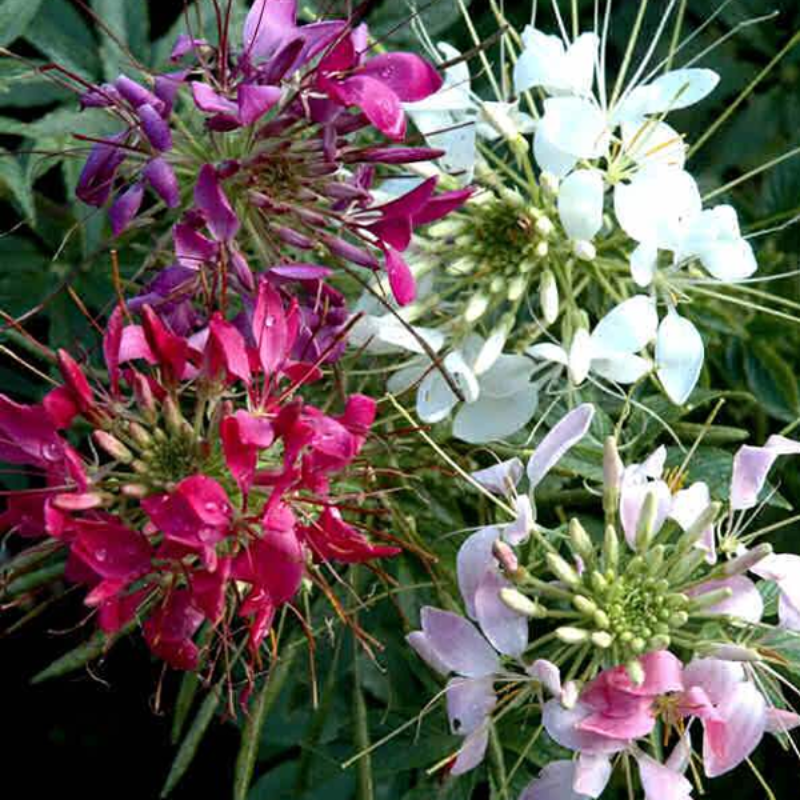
(14, 180)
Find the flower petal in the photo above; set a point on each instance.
(505, 629)
(660, 782)
(469, 702)
(458, 643)
(474, 558)
(751, 465)
(580, 203)
(567, 432)
(679, 357)
(627, 328)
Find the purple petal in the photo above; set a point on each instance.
(660, 782)
(592, 773)
(192, 248)
(301, 272)
(420, 643)
(136, 94)
(751, 466)
(458, 643)
(268, 24)
(500, 478)
(255, 101)
(520, 529)
(209, 101)
(160, 175)
(155, 128)
(469, 702)
(97, 177)
(125, 208)
(211, 200)
(167, 86)
(505, 629)
(471, 753)
(555, 782)
(474, 559)
(565, 433)
(548, 674)
(409, 77)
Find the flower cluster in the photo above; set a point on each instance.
(658, 623)
(585, 238)
(268, 150)
(207, 492)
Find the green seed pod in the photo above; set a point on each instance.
(611, 549)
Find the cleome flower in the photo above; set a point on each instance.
(282, 153)
(207, 492)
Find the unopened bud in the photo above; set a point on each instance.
(144, 397)
(655, 558)
(611, 548)
(136, 491)
(113, 446)
(647, 522)
(549, 182)
(542, 249)
(678, 619)
(710, 599)
(476, 307)
(599, 582)
(584, 605)
(635, 672)
(516, 288)
(585, 250)
(570, 695)
(686, 566)
(602, 639)
(562, 570)
(83, 501)
(570, 635)
(601, 619)
(660, 642)
(506, 556)
(612, 477)
(544, 225)
(548, 297)
(140, 435)
(696, 530)
(518, 602)
(748, 560)
(581, 541)
(734, 652)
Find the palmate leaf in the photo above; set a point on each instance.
(124, 35)
(15, 18)
(14, 181)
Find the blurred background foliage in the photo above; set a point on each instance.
(105, 732)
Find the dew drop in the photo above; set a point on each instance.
(51, 452)
(101, 555)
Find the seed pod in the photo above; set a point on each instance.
(611, 548)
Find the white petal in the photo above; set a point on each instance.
(592, 774)
(462, 374)
(681, 88)
(628, 328)
(550, 157)
(652, 142)
(580, 203)
(643, 264)
(580, 356)
(679, 357)
(500, 478)
(568, 431)
(435, 399)
(549, 352)
(402, 380)
(541, 63)
(491, 418)
(581, 59)
(508, 375)
(505, 629)
(576, 125)
(652, 206)
(622, 368)
(555, 782)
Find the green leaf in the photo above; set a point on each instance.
(21, 86)
(124, 35)
(246, 759)
(15, 181)
(76, 659)
(15, 17)
(772, 380)
(60, 33)
(194, 737)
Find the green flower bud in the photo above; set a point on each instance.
(570, 635)
(581, 541)
(518, 602)
(562, 570)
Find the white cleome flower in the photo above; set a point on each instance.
(499, 398)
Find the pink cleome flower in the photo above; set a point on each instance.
(216, 494)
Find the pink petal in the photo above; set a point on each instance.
(268, 24)
(745, 603)
(751, 466)
(743, 721)
(207, 100)
(632, 497)
(562, 724)
(401, 279)
(458, 643)
(410, 77)
(380, 104)
(469, 702)
(505, 629)
(779, 720)
(717, 678)
(192, 248)
(784, 569)
(563, 435)
(548, 674)
(255, 101)
(660, 782)
(520, 529)
(555, 782)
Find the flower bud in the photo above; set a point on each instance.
(647, 520)
(710, 599)
(602, 639)
(518, 602)
(476, 307)
(136, 491)
(748, 560)
(570, 695)
(635, 672)
(570, 635)
(516, 288)
(696, 530)
(505, 555)
(581, 541)
(542, 249)
(172, 414)
(611, 548)
(585, 250)
(544, 225)
(140, 435)
(562, 570)
(585, 605)
(734, 652)
(549, 183)
(548, 297)
(113, 446)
